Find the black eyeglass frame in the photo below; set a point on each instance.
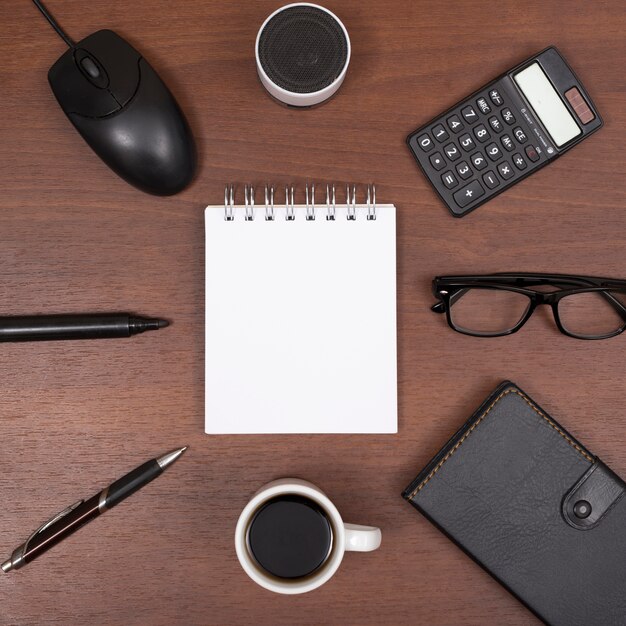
(449, 288)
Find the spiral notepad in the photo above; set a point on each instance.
(300, 314)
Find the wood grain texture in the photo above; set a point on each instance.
(74, 237)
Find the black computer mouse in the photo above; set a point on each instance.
(124, 111)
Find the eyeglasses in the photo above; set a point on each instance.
(493, 305)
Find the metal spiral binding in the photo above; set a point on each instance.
(371, 206)
(229, 203)
(351, 204)
(249, 201)
(269, 206)
(290, 206)
(330, 213)
(310, 208)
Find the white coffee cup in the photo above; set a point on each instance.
(346, 537)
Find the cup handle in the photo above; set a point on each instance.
(362, 538)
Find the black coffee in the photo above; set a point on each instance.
(290, 536)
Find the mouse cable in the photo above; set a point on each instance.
(54, 24)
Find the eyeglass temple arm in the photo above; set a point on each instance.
(533, 280)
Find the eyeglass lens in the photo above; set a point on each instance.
(487, 311)
(593, 314)
(588, 315)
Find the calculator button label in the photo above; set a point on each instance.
(507, 143)
(493, 152)
(437, 161)
(482, 134)
(467, 143)
(491, 180)
(440, 133)
(468, 194)
(506, 170)
(496, 98)
(464, 170)
(531, 153)
(483, 105)
(495, 123)
(425, 142)
(449, 180)
(469, 114)
(452, 152)
(455, 124)
(518, 159)
(479, 161)
(508, 117)
(520, 135)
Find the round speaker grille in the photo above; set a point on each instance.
(303, 49)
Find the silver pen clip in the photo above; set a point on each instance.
(52, 520)
(17, 558)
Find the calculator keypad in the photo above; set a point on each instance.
(469, 114)
(518, 159)
(425, 142)
(452, 152)
(455, 124)
(506, 170)
(507, 143)
(483, 146)
(482, 134)
(490, 179)
(469, 194)
(493, 152)
(479, 161)
(495, 124)
(508, 117)
(496, 98)
(440, 133)
(449, 180)
(437, 161)
(464, 170)
(483, 105)
(467, 143)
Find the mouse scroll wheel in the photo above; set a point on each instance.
(90, 67)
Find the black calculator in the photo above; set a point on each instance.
(504, 132)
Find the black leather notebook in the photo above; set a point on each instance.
(532, 506)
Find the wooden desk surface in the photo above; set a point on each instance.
(74, 237)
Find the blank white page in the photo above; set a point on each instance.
(300, 322)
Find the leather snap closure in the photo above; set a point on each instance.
(592, 497)
(582, 509)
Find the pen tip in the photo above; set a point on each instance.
(7, 566)
(163, 323)
(170, 457)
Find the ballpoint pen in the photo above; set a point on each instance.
(75, 326)
(71, 519)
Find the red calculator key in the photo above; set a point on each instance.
(531, 153)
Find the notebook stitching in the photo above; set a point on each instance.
(480, 419)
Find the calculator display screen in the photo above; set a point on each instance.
(547, 104)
